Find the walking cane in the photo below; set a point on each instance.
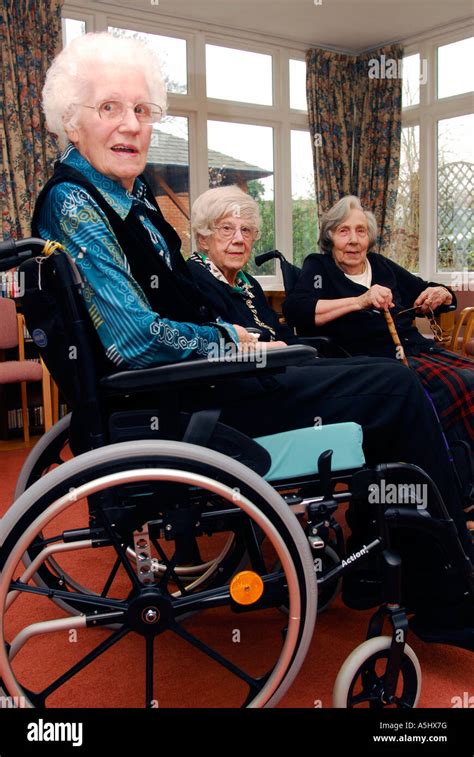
(395, 337)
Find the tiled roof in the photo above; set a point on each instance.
(169, 150)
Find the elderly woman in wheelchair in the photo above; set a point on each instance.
(176, 523)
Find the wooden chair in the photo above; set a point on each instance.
(22, 370)
(463, 333)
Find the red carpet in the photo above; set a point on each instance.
(447, 672)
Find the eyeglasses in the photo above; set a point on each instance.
(227, 231)
(115, 110)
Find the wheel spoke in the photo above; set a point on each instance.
(170, 565)
(364, 696)
(254, 683)
(111, 577)
(121, 553)
(86, 660)
(69, 596)
(149, 670)
(218, 596)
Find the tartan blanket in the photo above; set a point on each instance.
(449, 379)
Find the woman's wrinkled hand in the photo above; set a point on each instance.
(245, 337)
(431, 298)
(376, 297)
(247, 340)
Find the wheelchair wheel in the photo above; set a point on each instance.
(360, 681)
(50, 452)
(47, 453)
(134, 491)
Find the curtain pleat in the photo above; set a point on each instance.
(30, 37)
(354, 110)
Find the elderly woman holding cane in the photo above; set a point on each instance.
(345, 294)
(102, 96)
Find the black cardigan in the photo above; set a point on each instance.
(176, 297)
(361, 332)
(231, 305)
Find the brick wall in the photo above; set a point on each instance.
(178, 221)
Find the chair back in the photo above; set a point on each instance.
(289, 271)
(8, 324)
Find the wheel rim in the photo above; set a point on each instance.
(360, 681)
(272, 681)
(48, 453)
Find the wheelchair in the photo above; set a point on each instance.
(199, 552)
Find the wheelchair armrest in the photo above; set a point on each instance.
(204, 371)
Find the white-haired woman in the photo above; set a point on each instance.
(225, 223)
(101, 97)
(339, 293)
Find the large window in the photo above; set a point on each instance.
(303, 197)
(242, 154)
(433, 231)
(172, 52)
(405, 242)
(238, 75)
(456, 193)
(236, 114)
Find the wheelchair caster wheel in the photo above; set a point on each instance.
(360, 681)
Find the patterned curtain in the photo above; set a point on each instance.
(354, 110)
(30, 36)
(331, 102)
(378, 132)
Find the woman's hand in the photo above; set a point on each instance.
(432, 297)
(245, 337)
(248, 340)
(376, 297)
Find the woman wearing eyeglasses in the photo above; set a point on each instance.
(225, 223)
(101, 98)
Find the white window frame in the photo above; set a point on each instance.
(426, 115)
(199, 109)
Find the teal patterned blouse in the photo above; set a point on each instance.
(133, 335)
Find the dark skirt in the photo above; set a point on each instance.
(449, 379)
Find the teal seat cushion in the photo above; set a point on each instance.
(295, 453)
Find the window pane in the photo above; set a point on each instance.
(456, 194)
(172, 52)
(411, 80)
(242, 154)
(71, 29)
(404, 246)
(298, 85)
(167, 172)
(238, 75)
(456, 68)
(305, 225)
